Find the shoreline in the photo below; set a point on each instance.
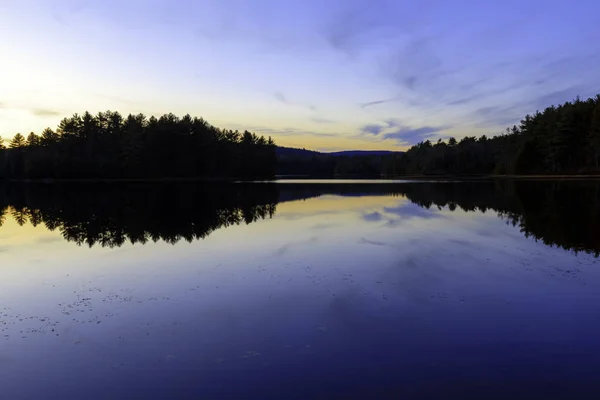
(290, 178)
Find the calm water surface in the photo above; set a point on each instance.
(300, 290)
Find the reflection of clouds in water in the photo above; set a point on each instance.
(49, 239)
(323, 226)
(292, 216)
(373, 242)
(462, 242)
(404, 211)
(374, 216)
(411, 210)
(284, 249)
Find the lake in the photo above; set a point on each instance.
(300, 290)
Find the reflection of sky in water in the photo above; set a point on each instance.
(334, 294)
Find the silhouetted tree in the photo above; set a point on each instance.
(33, 140)
(18, 141)
(49, 138)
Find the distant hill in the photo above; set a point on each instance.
(302, 162)
(363, 153)
(293, 152)
(284, 152)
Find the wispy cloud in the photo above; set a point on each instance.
(373, 103)
(372, 129)
(284, 99)
(264, 130)
(391, 123)
(320, 120)
(280, 97)
(67, 10)
(44, 112)
(410, 136)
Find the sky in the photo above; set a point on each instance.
(320, 74)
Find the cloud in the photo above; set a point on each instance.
(502, 115)
(322, 120)
(372, 129)
(391, 123)
(283, 99)
(263, 130)
(464, 100)
(403, 134)
(115, 99)
(410, 82)
(372, 103)
(560, 96)
(44, 112)
(280, 97)
(345, 32)
(358, 25)
(68, 10)
(406, 135)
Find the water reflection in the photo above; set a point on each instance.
(558, 213)
(374, 290)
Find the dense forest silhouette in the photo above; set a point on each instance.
(111, 146)
(562, 139)
(564, 214)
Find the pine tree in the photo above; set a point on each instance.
(33, 140)
(49, 137)
(18, 142)
(2, 146)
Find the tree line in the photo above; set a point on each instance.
(108, 145)
(563, 139)
(564, 214)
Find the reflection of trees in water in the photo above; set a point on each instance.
(3, 210)
(559, 213)
(111, 215)
(565, 214)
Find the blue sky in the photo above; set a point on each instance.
(327, 74)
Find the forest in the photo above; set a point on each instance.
(564, 213)
(110, 146)
(562, 139)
